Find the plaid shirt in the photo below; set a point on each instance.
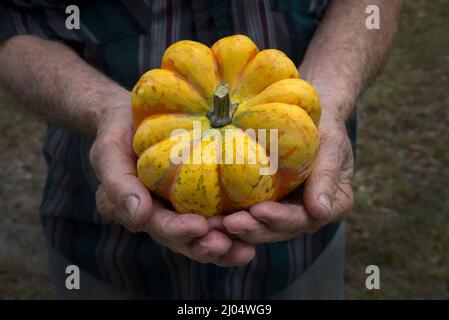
(124, 39)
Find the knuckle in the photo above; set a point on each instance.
(110, 210)
(111, 184)
(112, 189)
(103, 204)
(174, 227)
(328, 172)
(158, 227)
(100, 146)
(206, 252)
(347, 196)
(248, 229)
(94, 155)
(105, 140)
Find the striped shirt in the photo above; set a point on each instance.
(124, 39)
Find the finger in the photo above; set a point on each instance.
(171, 228)
(290, 219)
(210, 247)
(321, 185)
(243, 225)
(216, 223)
(240, 253)
(109, 209)
(344, 200)
(104, 205)
(115, 168)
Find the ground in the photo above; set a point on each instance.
(401, 216)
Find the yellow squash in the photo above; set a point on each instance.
(223, 90)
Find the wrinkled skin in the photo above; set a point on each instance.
(327, 196)
(122, 197)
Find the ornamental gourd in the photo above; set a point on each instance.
(231, 86)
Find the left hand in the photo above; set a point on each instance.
(327, 196)
(121, 196)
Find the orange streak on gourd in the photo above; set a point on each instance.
(290, 91)
(158, 127)
(266, 68)
(298, 139)
(232, 55)
(159, 91)
(196, 186)
(287, 180)
(194, 62)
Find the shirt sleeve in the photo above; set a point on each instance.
(22, 20)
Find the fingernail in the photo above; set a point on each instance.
(132, 203)
(326, 203)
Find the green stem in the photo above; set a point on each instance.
(221, 114)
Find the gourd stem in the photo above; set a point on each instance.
(221, 114)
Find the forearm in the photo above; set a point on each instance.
(55, 83)
(344, 55)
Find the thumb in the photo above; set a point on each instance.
(113, 160)
(321, 185)
(124, 213)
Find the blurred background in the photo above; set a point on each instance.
(401, 215)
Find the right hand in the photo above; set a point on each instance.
(122, 197)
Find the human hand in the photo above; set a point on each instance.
(122, 197)
(327, 195)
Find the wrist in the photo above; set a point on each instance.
(336, 105)
(335, 114)
(336, 108)
(103, 104)
(338, 95)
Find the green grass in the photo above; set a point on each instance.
(401, 216)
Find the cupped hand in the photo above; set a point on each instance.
(122, 197)
(326, 197)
